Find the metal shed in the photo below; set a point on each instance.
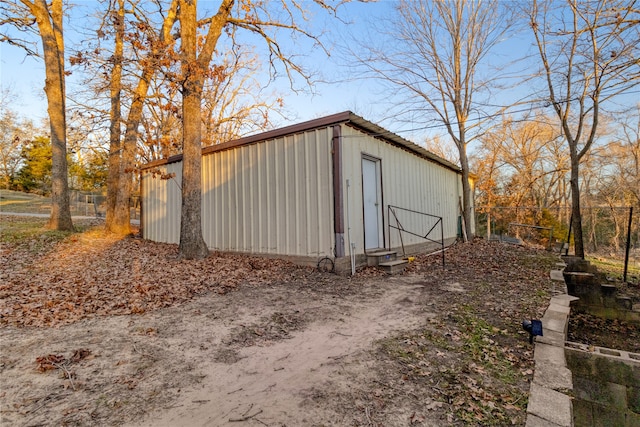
(338, 187)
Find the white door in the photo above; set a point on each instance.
(372, 205)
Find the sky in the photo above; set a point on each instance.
(24, 76)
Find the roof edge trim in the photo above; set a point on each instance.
(345, 117)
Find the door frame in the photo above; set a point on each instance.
(380, 195)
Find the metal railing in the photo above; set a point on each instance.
(93, 204)
(535, 227)
(392, 212)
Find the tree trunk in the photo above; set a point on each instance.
(121, 223)
(593, 228)
(615, 240)
(466, 191)
(122, 214)
(576, 215)
(115, 146)
(192, 244)
(50, 28)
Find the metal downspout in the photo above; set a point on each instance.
(338, 194)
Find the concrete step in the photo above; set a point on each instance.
(375, 258)
(394, 267)
(578, 277)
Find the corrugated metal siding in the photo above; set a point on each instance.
(408, 181)
(273, 197)
(162, 200)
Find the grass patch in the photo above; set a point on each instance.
(33, 232)
(615, 268)
(25, 228)
(414, 347)
(30, 234)
(14, 201)
(464, 359)
(17, 202)
(544, 260)
(481, 345)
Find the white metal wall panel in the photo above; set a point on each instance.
(162, 200)
(274, 197)
(408, 181)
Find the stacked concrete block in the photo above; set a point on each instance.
(606, 385)
(550, 403)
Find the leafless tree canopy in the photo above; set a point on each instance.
(589, 53)
(433, 55)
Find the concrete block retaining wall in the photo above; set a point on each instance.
(606, 385)
(577, 384)
(550, 402)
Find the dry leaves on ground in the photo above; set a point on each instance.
(94, 273)
(611, 333)
(469, 363)
(472, 359)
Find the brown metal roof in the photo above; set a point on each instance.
(346, 117)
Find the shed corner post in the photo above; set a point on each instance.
(338, 207)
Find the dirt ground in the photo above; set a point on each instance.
(271, 344)
(218, 358)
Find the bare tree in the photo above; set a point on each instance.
(49, 17)
(129, 51)
(116, 13)
(440, 148)
(589, 53)
(433, 56)
(14, 132)
(521, 171)
(527, 156)
(146, 80)
(627, 154)
(234, 104)
(609, 182)
(486, 165)
(256, 18)
(161, 136)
